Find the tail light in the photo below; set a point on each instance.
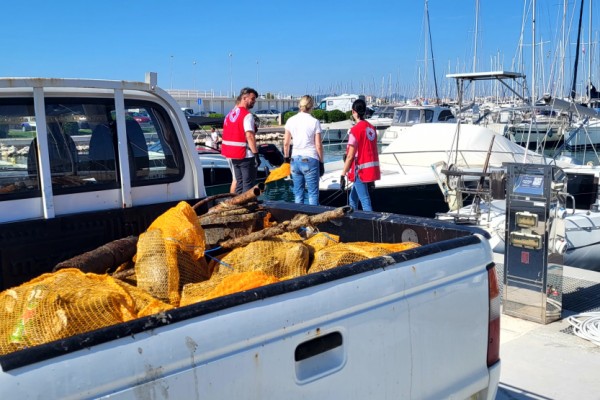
(493, 350)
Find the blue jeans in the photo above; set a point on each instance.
(305, 173)
(360, 191)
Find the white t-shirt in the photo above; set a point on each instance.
(211, 139)
(303, 128)
(249, 126)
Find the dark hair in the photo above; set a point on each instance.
(360, 106)
(246, 90)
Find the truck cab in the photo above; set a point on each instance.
(86, 161)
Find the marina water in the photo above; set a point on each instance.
(282, 189)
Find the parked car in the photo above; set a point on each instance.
(187, 111)
(140, 118)
(269, 113)
(292, 109)
(28, 124)
(201, 114)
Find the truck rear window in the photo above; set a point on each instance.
(82, 146)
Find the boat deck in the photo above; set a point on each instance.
(550, 361)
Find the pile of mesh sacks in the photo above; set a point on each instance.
(171, 270)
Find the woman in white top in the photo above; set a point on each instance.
(305, 132)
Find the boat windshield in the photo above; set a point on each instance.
(412, 116)
(386, 112)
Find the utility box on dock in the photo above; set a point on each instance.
(535, 241)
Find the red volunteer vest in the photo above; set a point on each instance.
(233, 144)
(367, 157)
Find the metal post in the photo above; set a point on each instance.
(230, 75)
(194, 72)
(171, 71)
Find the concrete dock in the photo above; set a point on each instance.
(550, 361)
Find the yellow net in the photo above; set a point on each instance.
(170, 270)
(279, 258)
(321, 240)
(279, 173)
(347, 253)
(65, 303)
(169, 253)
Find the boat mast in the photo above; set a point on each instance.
(437, 97)
(475, 45)
(589, 51)
(425, 51)
(533, 66)
(563, 49)
(574, 84)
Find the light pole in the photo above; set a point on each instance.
(230, 75)
(257, 76)
(171, 68)
(194, 72)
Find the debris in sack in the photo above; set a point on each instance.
(246, 197)
(104, 259)
(170, 254)
(68, 302)
(166, 267)
(299, 221)
(235, 217)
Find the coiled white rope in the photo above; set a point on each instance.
(586, 326)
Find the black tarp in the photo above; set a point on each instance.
(196, 122)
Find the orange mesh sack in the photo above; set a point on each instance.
(66, 303)
(170, 254)
(224, 285)
(347, 253)
(281, 259)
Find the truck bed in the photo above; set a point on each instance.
(378, 328)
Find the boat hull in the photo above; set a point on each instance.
(419, 200)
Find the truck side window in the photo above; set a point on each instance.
(80, 144)
(17, 133)
(153, 144)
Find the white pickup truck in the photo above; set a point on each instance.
(418, 324)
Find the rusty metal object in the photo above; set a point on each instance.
(103, 259)
(299, 221)
(212, 198)
(218, 227)
(234, 210)
(248, 196)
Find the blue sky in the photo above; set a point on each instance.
(278, 46)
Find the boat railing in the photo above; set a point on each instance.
(467, 159)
